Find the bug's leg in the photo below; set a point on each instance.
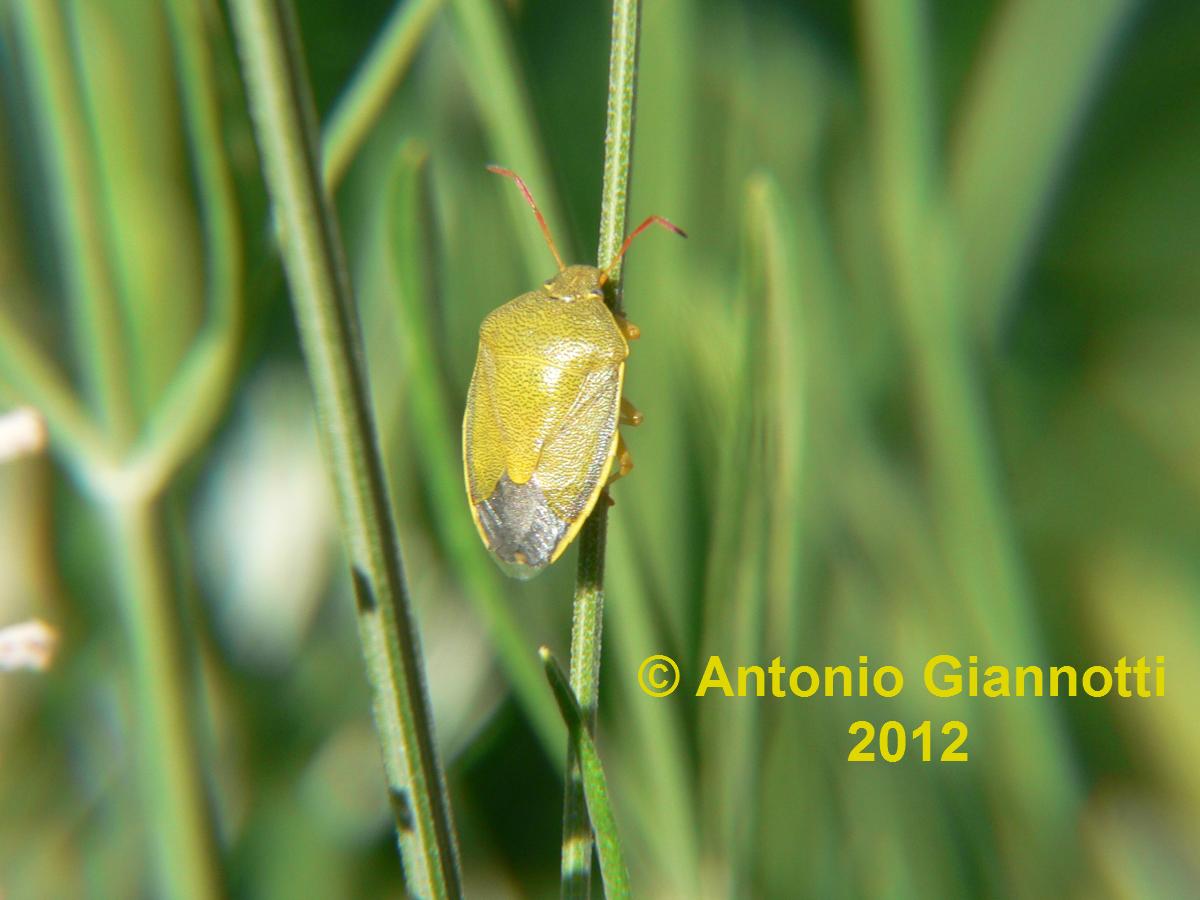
(624, 461)
(630, 415)
(631, 331)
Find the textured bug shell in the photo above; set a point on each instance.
(540, 430)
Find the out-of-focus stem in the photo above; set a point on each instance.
(363, 101)
(98, 331)
(179, 824)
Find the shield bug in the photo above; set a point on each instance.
(540, 432)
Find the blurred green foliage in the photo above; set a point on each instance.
(923, 380)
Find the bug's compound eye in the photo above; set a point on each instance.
(597, 293)
(548, 283)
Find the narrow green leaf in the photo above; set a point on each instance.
(755, 546)
(363, 101)
(1043, 62)
(494, 76)
(659, 788)
(608, 843)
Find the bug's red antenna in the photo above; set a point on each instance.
(508, 173)
(653, 220)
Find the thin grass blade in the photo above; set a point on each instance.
(608, 845)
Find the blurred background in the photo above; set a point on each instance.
(923, 379)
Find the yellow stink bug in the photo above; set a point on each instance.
(540, 432)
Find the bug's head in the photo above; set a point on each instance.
(576, 283)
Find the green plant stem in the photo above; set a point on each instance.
(361, 104)
(98, 333)
(281, 105)
(587, 625)
(588, 619)
(618, 140)
(179, 823)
